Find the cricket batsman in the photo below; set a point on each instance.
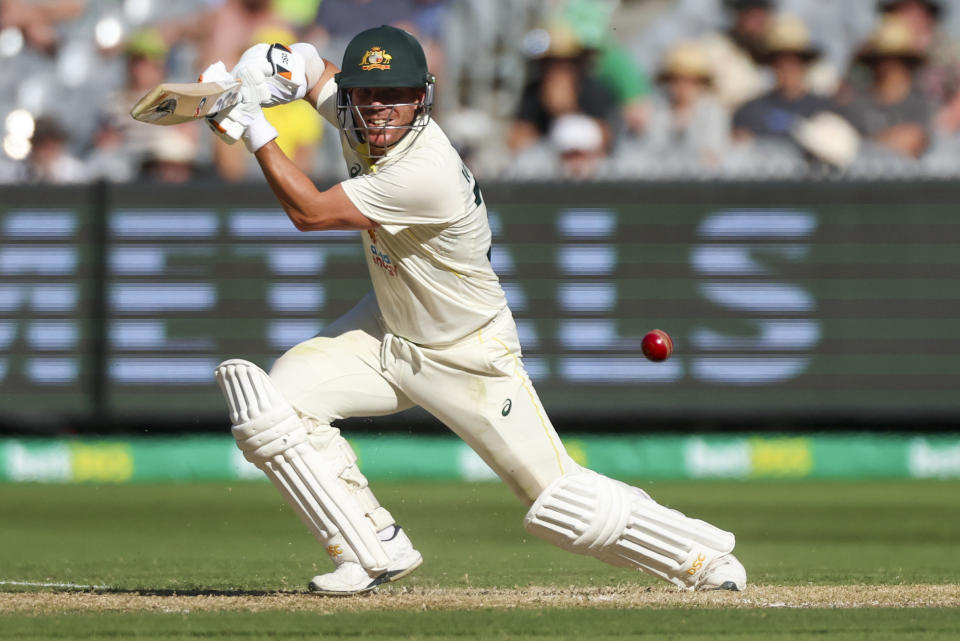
(435, 331)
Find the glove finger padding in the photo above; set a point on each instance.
(255, 90)
(224, 127)
(313, 65)
(245, 119)
(289, 72)
(217, 72)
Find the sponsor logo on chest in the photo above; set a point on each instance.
(381, 258)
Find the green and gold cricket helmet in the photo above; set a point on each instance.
(382, 57)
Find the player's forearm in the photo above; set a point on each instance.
(295, 191)
(308, 208)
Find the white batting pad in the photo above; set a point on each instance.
(273, 438)
(588, 513)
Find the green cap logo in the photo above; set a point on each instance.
(375, 58)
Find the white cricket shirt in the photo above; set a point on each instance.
(428, 260)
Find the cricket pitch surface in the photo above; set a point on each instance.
(417, 599)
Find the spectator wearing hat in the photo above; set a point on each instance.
(592, 22)
(892, 112)
(687, 124)
(921, 16)
(50, 161)
(562, 84)
(171, 158)
(120, 140)
(578, 139)
(789, 53)
(146, 57)
(573, 148)
(939, 77)
(734, 53)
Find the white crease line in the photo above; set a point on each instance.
(32, 584)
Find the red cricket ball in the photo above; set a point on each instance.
(657, 345)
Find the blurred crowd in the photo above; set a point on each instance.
(527, 89)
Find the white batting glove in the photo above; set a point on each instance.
(229, 131)
(245, 120)
(288, 72)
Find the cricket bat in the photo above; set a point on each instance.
(172, 103)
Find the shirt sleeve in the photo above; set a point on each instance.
(412, 191)
(327, 102)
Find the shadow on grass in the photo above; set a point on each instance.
(202, 592)
(161, 592)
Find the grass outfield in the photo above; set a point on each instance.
(837, 560)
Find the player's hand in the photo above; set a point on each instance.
(245, 120)
(287, 72)
(228, 130)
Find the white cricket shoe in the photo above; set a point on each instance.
(723, 573)
(350, 578)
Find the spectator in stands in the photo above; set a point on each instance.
(171, 157)
(111, 159)
(789, 52)
(562, 84)
(610, 62)
(737, 56)
(939, 77)
(37, 21)
(687, 124)
(223, 32)
(337, 21)
(578, 139)
(119, 137)
(892, 113)
(920, 15)
(146, 54)
(50, 160)
(573, 148)
(734, 54)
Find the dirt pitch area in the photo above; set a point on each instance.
(413, 599)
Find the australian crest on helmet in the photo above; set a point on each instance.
(375, 58)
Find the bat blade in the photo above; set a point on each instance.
(172, 103)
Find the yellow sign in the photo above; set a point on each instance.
(102, 462)
(780, 457)
(577, 451)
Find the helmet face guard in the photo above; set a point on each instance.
(382, 57)
(352, 119)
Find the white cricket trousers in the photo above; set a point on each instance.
(477, 387)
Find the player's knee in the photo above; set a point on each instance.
(307, 376)
(264, 422)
